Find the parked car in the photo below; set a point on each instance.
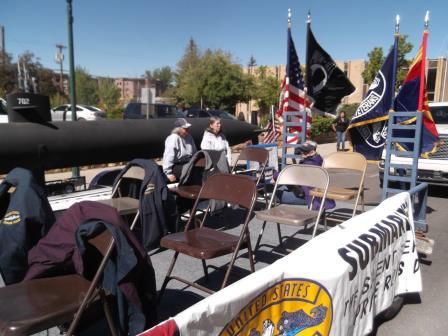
(3, 112)
(149, 111)
(433, 170)
(198, 113)
(83, 112)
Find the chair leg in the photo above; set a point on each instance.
(279, 232)
(167, 276)
(108, 313)
(204, 266)
(250, 253)
(324, 214)
(257, 245)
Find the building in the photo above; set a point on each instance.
(130, 88)
(436, 81)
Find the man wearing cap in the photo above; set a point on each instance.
(311, 157)
(179, 148)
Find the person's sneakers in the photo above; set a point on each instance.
(423, 244)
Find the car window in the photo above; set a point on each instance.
(60, 108)
(440, 114)
(192, 114)
(166, 111)
(203, 114)
(78, 108)
(3, 108)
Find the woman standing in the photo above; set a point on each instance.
(340, 125)
(179, 148)
(214, 139)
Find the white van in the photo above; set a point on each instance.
(435, 169)
(3, 112)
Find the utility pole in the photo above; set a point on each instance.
(59, 59)
(71, 59)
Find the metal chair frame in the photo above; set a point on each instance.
(235, 189)
(297, 174)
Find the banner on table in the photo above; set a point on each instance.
(334, 285)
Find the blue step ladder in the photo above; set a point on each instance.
(291, 120)
(419, 192)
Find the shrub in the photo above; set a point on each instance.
(321, 125)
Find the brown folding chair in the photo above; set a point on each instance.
(298, 175)
(205, 243)
(44, 303)
(260, 156)
(126, 205)
(354, 162)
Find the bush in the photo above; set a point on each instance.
(116, 113)
(321, 125)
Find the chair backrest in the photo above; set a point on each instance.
(133, 172)
(235, 189)
(341, 160)
(102, 242)
(260, 155)
(305, 175)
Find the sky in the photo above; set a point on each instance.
(119, 38)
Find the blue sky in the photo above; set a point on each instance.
(124, 38)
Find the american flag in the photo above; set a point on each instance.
(293, 96)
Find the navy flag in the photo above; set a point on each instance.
(368, 127)
(326, 83)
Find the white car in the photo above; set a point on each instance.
(3, 113)
(83, 112)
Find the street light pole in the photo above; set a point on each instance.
(71, 58)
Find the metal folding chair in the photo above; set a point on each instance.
(354, 162)
(297, 175)
(44, 303)
(205, 243)
(260, 156)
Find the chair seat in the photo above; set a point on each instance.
(287, 214)
(124, 205)
(201, 243)
(32, 306)
(336, 193)
(190, 192)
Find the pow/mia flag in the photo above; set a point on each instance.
(327, 84)
(368, 127)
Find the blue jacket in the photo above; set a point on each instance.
(25, 217)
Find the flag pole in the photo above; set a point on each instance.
(395, 61)
(423, 67)
(307, 61)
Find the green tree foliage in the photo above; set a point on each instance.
(108, 94)
(212, 78)
(252, 61)
(377, 58)
(163, 79)
(44, 77)
(266, 91)
(187, 89)
(86, 87)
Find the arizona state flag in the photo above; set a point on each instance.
(326, 83)
(411, 95)
(368, 127)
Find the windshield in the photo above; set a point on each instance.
(222, 114)
(440, 114)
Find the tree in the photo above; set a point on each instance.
(187, 89)
(376, 60)
(108, 93)
(252, 61)
(86, 87)
(163, 78)
(266, 90)
(8, 77)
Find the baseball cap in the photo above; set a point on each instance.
(307, 146)
(181, 123)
